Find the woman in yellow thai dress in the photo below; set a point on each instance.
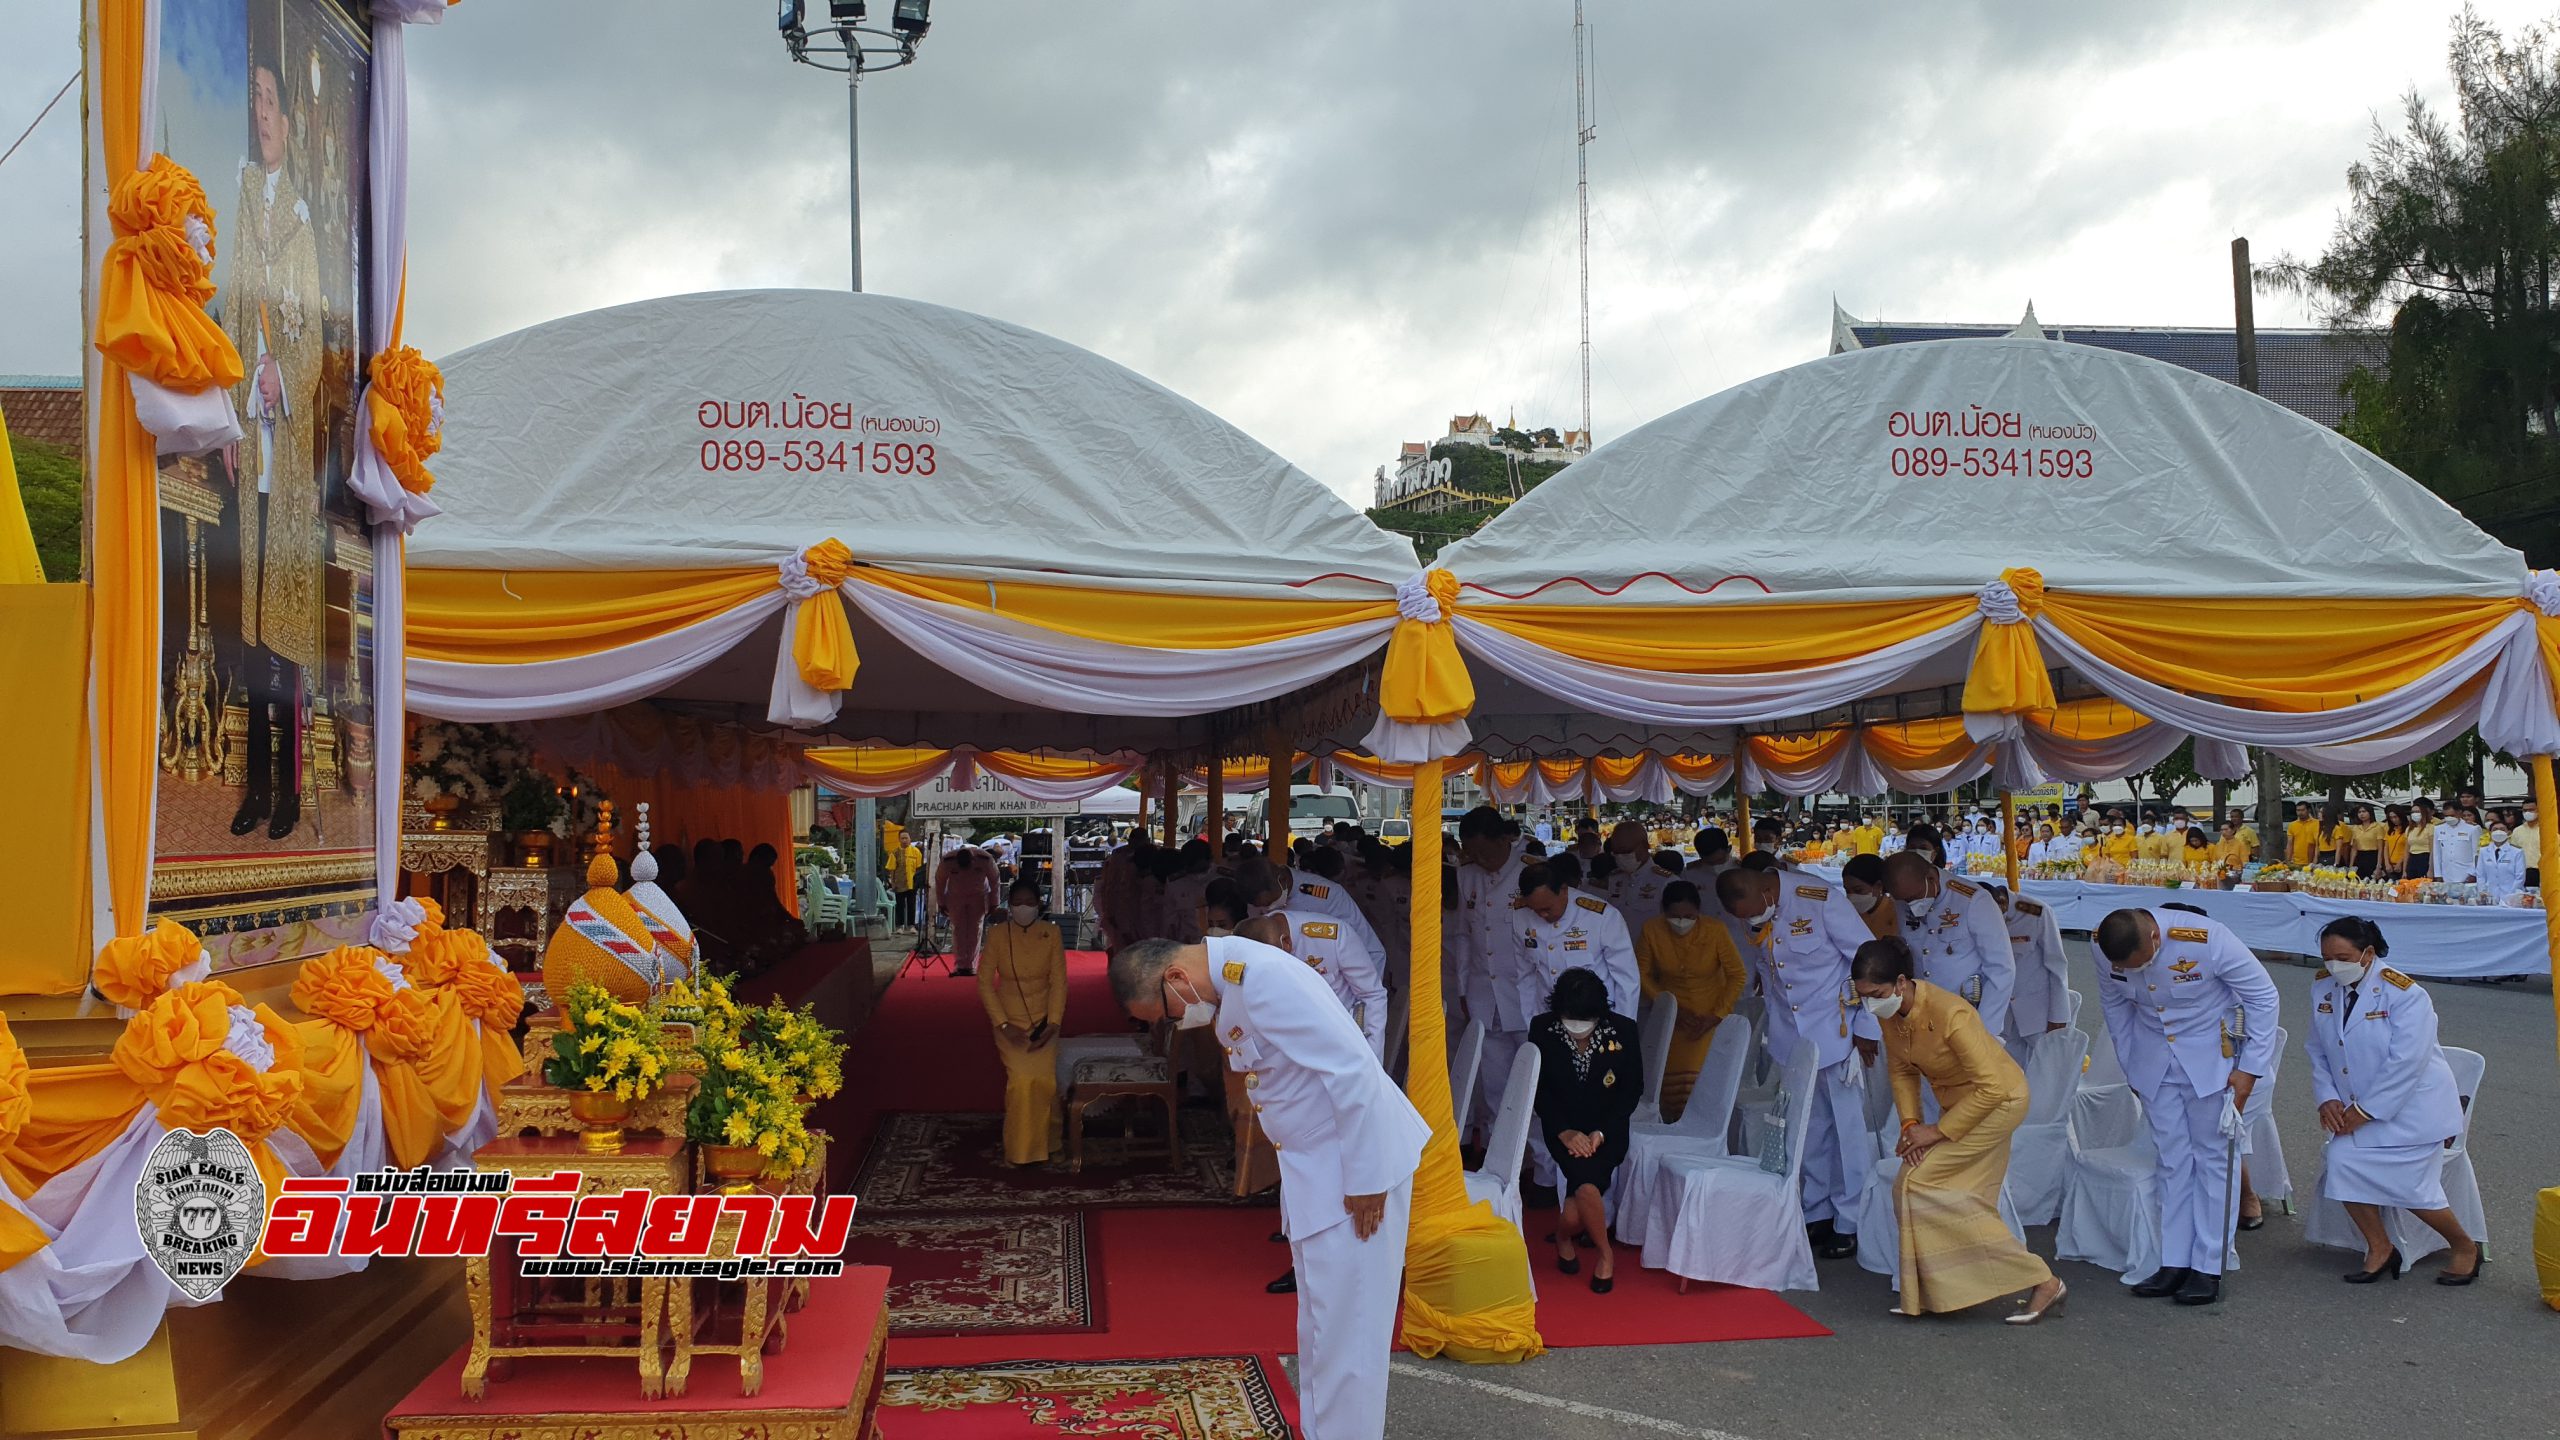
(1693, 959)
(1956, 1252)
(1022, 980)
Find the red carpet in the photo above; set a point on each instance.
(983, 1274)
(954, 1164)
(1236, 1397)
(811, 1387)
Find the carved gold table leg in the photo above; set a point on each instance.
(475, 1370)
(751, 1338)
(680, 1323)
(653, 1299)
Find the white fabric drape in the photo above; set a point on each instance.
(1043, 789)
(93, 1294)
(542, 689)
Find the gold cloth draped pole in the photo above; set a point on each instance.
(1276, 745)
(2009, 837)
(1215, 826)
(1172, 802)
(2545, 798)
(1741, 814)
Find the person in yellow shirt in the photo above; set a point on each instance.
(2526, 835)
(1022, 982)
(1869, 835)
(2121, 845)
(2155, 844)
(2422, 841)
(2395, 843)
(1693, 960)
(2233, 851)
(2301, 838)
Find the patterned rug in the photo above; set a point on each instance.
(923, 1161)
(1029, 1273)
(1217, 1398)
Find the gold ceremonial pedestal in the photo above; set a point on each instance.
(659, 1166)
(762, 1303)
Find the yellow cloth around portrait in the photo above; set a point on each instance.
(44, 769)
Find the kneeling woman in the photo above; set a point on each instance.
(2388, 1100)
(1023, 983)
(1590, 1076)
(1956, 1252)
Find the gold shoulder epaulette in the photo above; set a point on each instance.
(1587, 903)
(1813, 892)
(2397, 980)
(2190, 933)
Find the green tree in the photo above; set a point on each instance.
(2174, 773)
(2450, 237)
(49, 484)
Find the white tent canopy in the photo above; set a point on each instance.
(976, 471)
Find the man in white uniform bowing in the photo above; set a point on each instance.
(2193, 1017)
(1346, 1137)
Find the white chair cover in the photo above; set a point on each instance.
(1498, 1183)
(2039, 1154)
(1724, 1219)
(1880, 1219)
(1464, 1060)
(1653, 1035)
(2326, 1222)
(2264, 1147)
(1700, 1130)
(2110, 1195)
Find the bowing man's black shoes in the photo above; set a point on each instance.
(2164, 1281)
(1287, 1284)
(2200, 1289)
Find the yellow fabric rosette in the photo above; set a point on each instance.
(360, 1017)
(1425, 680)
(19, 1235)
(152, 290)
(821, 633)
(493, 999)
(173, 1052)
(404, 410)
(134, 970)
(2009, 675)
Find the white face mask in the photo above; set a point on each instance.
(1025, 914)
(1917, 909)
(1579, 1028)
(2497, 837)
(2347, 972)
(1882, 1007)
(1681, 924)
(2115, 829)
(1866, 903)
(2528, 817)
(1218, 930)
(2144, 830)
(1197, 1013)
(1763, 918)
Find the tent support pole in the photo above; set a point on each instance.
(1215, 818)
(2009, 838)
(1278, 752)
(1172, 803)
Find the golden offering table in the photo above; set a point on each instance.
(757, 1320)
(607, 1328)
(532, 1106)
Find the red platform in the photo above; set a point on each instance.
(810, 1391)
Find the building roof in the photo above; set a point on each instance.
(2302, 370)
(46, 408)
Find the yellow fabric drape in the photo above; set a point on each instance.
(44, 770)
(18, 562)
(2008, 675)
(1424, 680)
(19, 1236)
(1466, 1278)
(821, 633)
(1153, 619)
(1930, 744)
(516, 617)
(1724, 639)
(2278, 655)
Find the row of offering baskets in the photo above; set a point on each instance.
(2326, 882)
(689, 1092)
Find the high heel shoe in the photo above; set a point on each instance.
(2052, 1307)
(1568, 1264)
(1603, 1284)
(2449, 1278)
(2392, 1265)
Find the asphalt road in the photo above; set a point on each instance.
(2290, 1351)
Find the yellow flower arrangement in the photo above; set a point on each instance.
(801, 1045)
(607, 1045)
(748, 1098)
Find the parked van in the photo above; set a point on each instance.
(1312, 811)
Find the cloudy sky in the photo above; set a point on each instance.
(1336, 223)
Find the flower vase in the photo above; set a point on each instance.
(601, 1113)
(734, 1167)
(440, 810)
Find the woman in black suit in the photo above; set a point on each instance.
(1590, 1076)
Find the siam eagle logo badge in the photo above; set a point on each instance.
(199, 1206)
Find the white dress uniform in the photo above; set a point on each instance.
(2501, 871)
(1591, 935)
(1802, 956)
(1960, 943)
(2373, 1046)
(2201, 1009)
(1638, 896)
(1489, 973)
(2042, 998)
(1306, 893)
(1891, 844)
(2457, 852)
(1339, 1127)
(1328, 948)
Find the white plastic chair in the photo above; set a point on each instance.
(2039, 1154)
(1653, 1036)
(2110, 1193)
(2326, 1221)
(2268, 1173)
(1498, 1183)
(1464, 1060)
(1701, 1129)
(1724, 1219)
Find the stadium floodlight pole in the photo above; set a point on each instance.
(844, 42)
